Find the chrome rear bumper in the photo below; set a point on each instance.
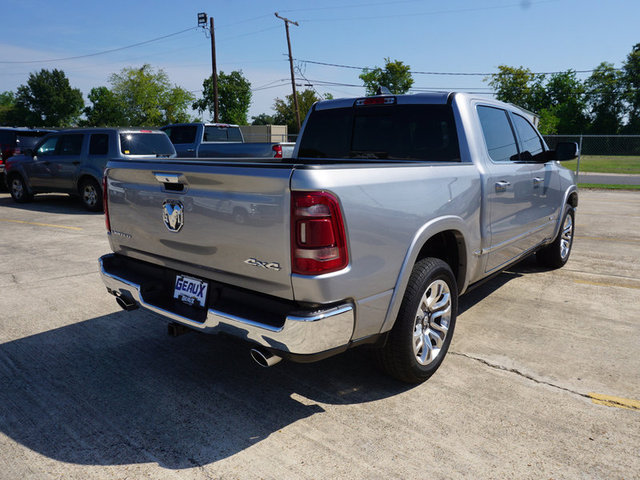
(301, 334)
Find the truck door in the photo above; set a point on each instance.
(509, 190)
(547, 197)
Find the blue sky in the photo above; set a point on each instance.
(456, 36)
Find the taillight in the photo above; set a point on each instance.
(277, 149)
(105, 201)
(318, 239)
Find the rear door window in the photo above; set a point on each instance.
(498, 134)
(70, 145)
(142, 143)
(99, 144)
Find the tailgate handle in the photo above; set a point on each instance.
(174, 182)
(167, 177)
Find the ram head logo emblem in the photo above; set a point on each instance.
(173, 215)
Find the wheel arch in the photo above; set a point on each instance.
(570, 198)
(444, 238)
(86, 176)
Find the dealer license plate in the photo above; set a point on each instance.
(191, 291)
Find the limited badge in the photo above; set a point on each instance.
(173, 215)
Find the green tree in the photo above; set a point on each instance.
(47, 100)
(107, 109)
(517, 85)
(285, 109)
(605, 97)
(631, 78)
(7, 108)
(263, 119)
(148, 98)
(396, 76)
(234, 97)
(565, 99)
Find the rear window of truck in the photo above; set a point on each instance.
(132, 143)
(214, 133)
(382, 132)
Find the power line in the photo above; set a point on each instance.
(417, 14)
(357, 5)
(414, 72)
(100, 53)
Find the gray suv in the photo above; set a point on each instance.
(73, 161)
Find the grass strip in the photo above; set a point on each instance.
(604, 186)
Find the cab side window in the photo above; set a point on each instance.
(182, 134)
(99, 144)
(70, 145)
(49, 147)
(530, 143)
(498, 134)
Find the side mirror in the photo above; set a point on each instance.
(566, 151)
(29, 152)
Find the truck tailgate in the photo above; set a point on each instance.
(227, 223)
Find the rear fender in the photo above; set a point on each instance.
(422, 236)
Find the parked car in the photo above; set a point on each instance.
(220, 140)
(14, 140)
(73, 161)
(391, 207)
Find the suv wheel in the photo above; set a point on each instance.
(91, 195)
(18, 190)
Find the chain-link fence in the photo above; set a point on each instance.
(603, 153)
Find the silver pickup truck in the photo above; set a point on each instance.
(391, 207)
(221, 140)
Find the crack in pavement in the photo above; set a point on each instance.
(519, 373)
(608, 401)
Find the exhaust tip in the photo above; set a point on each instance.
(263, 358)
(125, 304)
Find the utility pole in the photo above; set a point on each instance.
(215, 71)
(202, 22)
(293, 82)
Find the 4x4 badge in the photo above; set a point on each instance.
(173, 215)
(254, 262)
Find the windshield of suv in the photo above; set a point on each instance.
(143, 143)
(382, 132)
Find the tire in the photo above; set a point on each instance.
(556, 254)
(420, 338)
(18, 189)
(91, 195)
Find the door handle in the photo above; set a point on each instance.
(537, 182)
(502, 185)
(190, 150)
(76, 163)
